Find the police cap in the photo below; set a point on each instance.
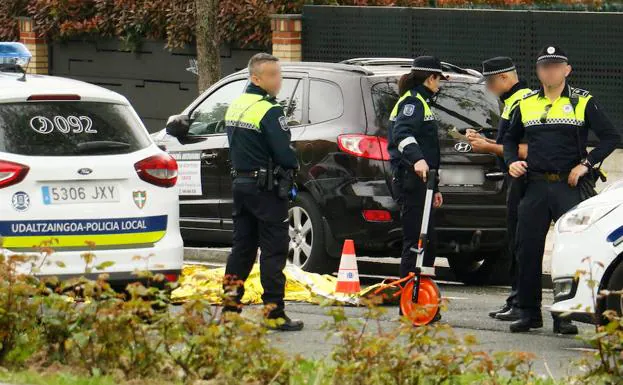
(497, 65)
(551, 54)
(428, 64)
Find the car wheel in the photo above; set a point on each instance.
(615, 283)
(307, 246)
(491, 268)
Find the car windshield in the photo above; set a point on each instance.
(460, 105)
(70, 129)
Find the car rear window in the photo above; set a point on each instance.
(69, 129)
(460, 105)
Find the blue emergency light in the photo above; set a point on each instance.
(14, 54)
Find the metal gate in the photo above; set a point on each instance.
(155, 80)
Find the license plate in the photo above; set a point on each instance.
(55, 194)
(461, 176)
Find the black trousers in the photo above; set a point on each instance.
(260, 219)
(516, 190)
(543, 203)
(410, 192)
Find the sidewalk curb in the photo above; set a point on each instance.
(206, 255)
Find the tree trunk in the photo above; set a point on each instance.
(208, 43)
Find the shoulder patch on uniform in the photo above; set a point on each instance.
(529, 94)
(579, 91)
(283, 122)
(408, 110)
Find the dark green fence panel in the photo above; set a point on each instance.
(466, 37)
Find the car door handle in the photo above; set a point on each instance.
(208, 157)
(494, 175)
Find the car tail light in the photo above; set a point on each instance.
(365, 146)
(160, 170)
(171, 277)
(12, 173)
(377, 215)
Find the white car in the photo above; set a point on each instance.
(588, 256)
(79, 173)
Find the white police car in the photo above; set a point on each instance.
(589, 239)
(79, 172)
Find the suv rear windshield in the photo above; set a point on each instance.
(69, 129)
(460, 105)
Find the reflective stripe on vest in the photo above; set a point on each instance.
(534, 111)
(513, 101)
(428, 114)
(247, 111)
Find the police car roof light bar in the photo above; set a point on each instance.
(14, 57)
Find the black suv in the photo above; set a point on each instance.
(339, 116)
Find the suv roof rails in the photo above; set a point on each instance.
(404, 62)
(379, 61)
(332, 66)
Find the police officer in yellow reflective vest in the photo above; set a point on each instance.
(555, 120)
(413, 145)
(501, 78)
(259, 145)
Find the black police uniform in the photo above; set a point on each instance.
(413, 136)
(557, 133)
(515, 189)
(258, 135)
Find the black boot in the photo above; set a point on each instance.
(529, 320)
(284, 323)
(564, 326)
(512, 315)
(503, 309)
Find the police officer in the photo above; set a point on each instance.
(259, 139)
(413, 145)
(502, 80)
(555, 120)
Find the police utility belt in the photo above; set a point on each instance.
(278, 179)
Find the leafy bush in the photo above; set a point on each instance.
(605, 366)
(18, 310)
(425, 355)
(84, 328)
(9, 11)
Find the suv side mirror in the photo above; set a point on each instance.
(178, 125)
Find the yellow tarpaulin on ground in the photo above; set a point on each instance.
(301, 286)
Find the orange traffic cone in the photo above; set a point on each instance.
(348, 274)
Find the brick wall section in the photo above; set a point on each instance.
(287, 30)
(36, 44)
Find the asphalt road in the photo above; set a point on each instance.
(467, 314)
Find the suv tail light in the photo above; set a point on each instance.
(377, 215)
(159, 170)
(365, 146)
(12, 173)
(171, 277)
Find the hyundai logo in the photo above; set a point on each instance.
(85, 171)
(463, 147)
